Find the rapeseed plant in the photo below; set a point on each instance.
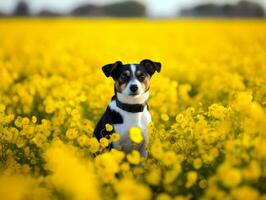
(208, 135)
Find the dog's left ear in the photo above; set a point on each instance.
(110, 69)
(151, 66)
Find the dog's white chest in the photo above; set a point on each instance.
(140, 119)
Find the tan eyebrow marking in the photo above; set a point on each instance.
(127, 72)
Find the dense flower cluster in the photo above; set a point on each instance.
(208, 135)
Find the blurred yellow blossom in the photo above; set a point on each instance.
(94, 145)
(134, 157)
(108, 127)
(115, 137)
(71, 133)
(104, 142)
(2, 107)
(191, 178)
(197, 163)
(165, 117)
(135, 134)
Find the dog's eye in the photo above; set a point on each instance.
(124, 77)
(141, 77)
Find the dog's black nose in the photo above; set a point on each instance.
(133, 88)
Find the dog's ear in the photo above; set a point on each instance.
(110, 69)
(151, 66)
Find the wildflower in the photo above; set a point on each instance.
(71, 133)
(156, 150)
(115, 137)
(125, 167)
(165, 117)
(8, 135)
(2, 107)
(217, 111)
(69, 172)
(203, 183)
(104, 142)
(169, 158)
(108, 127)
(83, 140)
(39, 139)
(230, 177)
(191, 178)
(252, 171)
(34, 119)
(153, 177)
(163, 196)
(245, 192)
(134, 157)
(135, 134)
(18, 122)
(118, 155)
(197, 163)
(25, 121)
(94, 145)
(171, 175)
(131, 190)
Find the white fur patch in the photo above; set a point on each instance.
(141, 119)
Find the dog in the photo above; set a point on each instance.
(128, 106)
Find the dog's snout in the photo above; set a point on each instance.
(133, 88)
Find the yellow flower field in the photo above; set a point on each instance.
(208, 136)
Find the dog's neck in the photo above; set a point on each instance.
(132, 104)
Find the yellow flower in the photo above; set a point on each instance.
(108, 127)
(129, 189)
(197, 163)
(94, 145)
(2, 107)
(18, 122)
(245, 192)
(252, 171)
(25, 121)
(163, 196)
(203, 183)
(8, 135)
(135, 134)
(134, 157)
(83, 140)
(230, 177)
(104, 142)
(171, 175)
(156, 150)
(125, 167)
(217, 111)
(165, 117)
(191, 178)
(153, 177)
(34, 119)
(39, 139)
(71, 133)
(115, 137)
(169, 158)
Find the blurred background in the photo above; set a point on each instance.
(137, 8)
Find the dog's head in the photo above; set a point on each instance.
(132, 79)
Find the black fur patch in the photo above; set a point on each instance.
(109, 117)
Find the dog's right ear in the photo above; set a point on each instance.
(110, 69)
